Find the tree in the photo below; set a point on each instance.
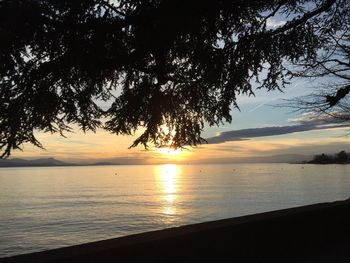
(322, 159)
(342, 157)
(332, 64)
(175, 64)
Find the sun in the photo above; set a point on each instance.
(168, 154)
(169, 151)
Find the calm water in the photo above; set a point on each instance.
(43, 208)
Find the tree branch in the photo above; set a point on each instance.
(113, 8)
(341, 93)
(296, 22)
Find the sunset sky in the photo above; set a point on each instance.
(259, 129)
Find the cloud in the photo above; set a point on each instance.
(316, 119)
(274, 23)
(305, 123)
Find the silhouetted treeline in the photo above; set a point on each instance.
(339, 158)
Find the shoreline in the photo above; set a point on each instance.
(313, 233)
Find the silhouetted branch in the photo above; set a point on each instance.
(179, 64)
(298, 21)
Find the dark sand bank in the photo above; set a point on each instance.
(316, 233)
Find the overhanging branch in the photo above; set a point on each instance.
(296, 22)
(341, 93)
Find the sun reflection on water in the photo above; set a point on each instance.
(168, 176)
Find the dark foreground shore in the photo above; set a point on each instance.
(315, 233)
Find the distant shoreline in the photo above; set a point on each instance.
(307, 163)
(46, 162)
(48, 165)
(119, 164)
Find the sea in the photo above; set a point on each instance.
(50, 207)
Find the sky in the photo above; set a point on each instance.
(260, 131)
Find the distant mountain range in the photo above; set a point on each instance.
(281, 158)
(47, 162)
(16, 162)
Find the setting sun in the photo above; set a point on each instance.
(169, 151)
(168, 154)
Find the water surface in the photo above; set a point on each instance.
(44, 208)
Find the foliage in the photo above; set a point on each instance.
(156, 63)
(322, 159)
(340, 158)
(332, 64)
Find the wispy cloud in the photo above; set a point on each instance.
(316, 119)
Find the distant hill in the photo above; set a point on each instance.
(101, 164)
(44, 162)
(16, 162)
(282, 158)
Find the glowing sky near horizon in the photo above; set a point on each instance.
(256, 112)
